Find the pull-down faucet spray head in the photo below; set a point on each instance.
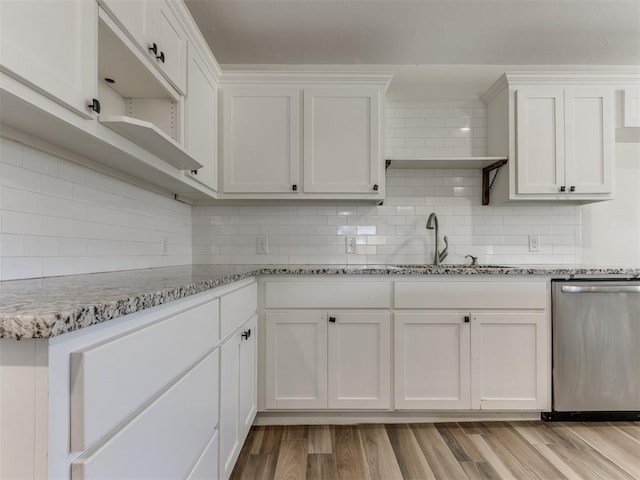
(432, 221)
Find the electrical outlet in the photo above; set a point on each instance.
(534, 243)
(164, 245)
(262, 245)
(351, 244)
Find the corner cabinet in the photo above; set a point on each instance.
(558, 132)
(298, 138)
(201, 119)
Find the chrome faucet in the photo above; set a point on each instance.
(432, 223)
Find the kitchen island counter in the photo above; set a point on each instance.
(47, 307)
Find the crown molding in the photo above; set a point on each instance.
(297, 77)
(569, 78)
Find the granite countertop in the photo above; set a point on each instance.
(47, 307)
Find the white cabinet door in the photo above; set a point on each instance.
(540, 140)
(229, 404)
(510, 367)
(201, 125)
(296, 360)
(238, 392)
(359, 360)
(589, 141)
(248, 401)
(341, 140)
(432, 364)
(52, 47)
(132, 15)
(261, 140)
(171, 40)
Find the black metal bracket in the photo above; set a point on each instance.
(486, 183)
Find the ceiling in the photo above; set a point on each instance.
(421, 33)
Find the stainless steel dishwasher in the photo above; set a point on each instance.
(596, 349)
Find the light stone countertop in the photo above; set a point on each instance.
(47, 307)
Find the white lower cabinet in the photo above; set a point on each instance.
(479, 345)
(238, 392)
(462, 360)
(432, 369)
(166, 439)
(207, 466)
(337, 360)
(510, 368)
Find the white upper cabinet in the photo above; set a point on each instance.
(341, 140)
(171, 41)
(298, 136)
(558, 133)
(589, 139)
(540, 134)
(201, 120)
(564, 140)
(132, 15)
(261, 140)
(52, 47)
(156, 29)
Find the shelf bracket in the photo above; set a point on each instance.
(486, 183)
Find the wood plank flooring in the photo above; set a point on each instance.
(443, 451)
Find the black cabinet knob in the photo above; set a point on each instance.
(563, 188)
(375, 187)
(154, 49)
(294, 188)
(332, 319)
(94, 105)
(160, 57)
(573, 188)
(246, 334)
(467, 319)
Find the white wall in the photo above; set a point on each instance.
(59, 218)
(395, 232)
(611, 230)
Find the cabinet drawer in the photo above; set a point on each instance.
(471, 295)
(166, 439)
(109, 380)
(325, 294)
(207, 466)
(237, 307)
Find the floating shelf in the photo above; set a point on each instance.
(150, 137)
(443, 162)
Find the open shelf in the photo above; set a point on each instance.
(443, 162)
(150, 137)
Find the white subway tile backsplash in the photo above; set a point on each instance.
(60, 218)
(395, 232)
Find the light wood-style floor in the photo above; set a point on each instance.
(448, 451)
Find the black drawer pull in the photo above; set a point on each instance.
(94, 105)
(332, 319)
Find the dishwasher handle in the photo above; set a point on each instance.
(601, 289)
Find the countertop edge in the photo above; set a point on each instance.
(47, 325)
